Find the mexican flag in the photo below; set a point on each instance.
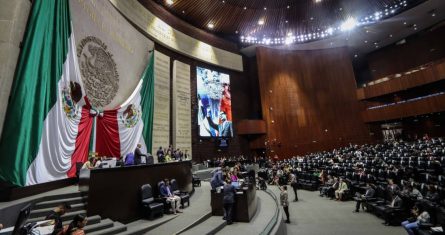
(47, 127)
(120, 130)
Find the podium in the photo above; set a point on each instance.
(245, 203)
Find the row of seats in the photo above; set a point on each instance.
(153, 207)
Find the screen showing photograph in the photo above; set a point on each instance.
(214, 103)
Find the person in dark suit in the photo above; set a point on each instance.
(362, 198)
(160, 154)
(225, 128)
(228, 201)
(138, 154)
(150, 160)
(217, 179)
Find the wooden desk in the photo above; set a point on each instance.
(115, 192)
(245, 204)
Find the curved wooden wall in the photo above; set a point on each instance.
(309, 100)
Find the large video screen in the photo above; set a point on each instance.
(214, 103)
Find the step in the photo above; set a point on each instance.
(142, 226)
(103, 224)
(66, 217)
(54, 203)
(62, 196)
(209, 226)
(46, 211)
(117, 228)
(91, 220)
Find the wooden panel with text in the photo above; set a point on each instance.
(182, 129)
(309, 100)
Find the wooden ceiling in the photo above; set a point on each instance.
(234, 18)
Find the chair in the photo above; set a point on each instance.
(150, 207)
(185, 197)
(196, 181)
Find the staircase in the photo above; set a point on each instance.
(78, 201)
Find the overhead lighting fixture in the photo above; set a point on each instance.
(260, 22)
(348, 25)
(169, 2)
(210, 25)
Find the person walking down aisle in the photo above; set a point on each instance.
(285, 202)
(293, 184)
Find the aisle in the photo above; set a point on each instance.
(314, 215)
(199, 206)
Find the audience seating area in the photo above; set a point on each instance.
(411, 166)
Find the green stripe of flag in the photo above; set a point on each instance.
(34, 90)
(147, 102)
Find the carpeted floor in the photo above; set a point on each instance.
(315, 215)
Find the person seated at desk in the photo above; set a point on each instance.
(174, 200)
(56, 216)
(98, 161)
(167, 157)
(138, 155)
(217, 179)
(89, 164)
(75, 227)
(160, 154)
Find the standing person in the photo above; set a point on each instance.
(285, 202)
(228, 200)
(293, 184)
(217, 178)
(138, 154)
(160, 154)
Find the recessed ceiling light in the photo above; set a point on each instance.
(317, 1)
(223, 1)
(287, 21)
(355, 56)
(236, 32)
(390, 35)
(349, 24)
(404, 22)
(169, 2)
(261, 22)
(183, 12)
(366, 41)
(210, 25)
(288, 6)
(245, 8)
(265, 8)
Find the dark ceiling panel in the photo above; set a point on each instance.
(235, 18)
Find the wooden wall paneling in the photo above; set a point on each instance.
(309, 100)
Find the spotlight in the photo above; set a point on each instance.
(348, 25)
(169, 2)
(210, 25)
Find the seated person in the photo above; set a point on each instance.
(414, 192)
(89, 164)
(234, 176)
(56, 216)
(432, 194)
(174, 200)
(328, 184)
(388, 212)
(129, 159)
(420, 217)
(217, 179)
(342, 187)
(392, 188)
(75, 227)
(361, 198)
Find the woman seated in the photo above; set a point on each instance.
(419, 217)
(75, 227)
